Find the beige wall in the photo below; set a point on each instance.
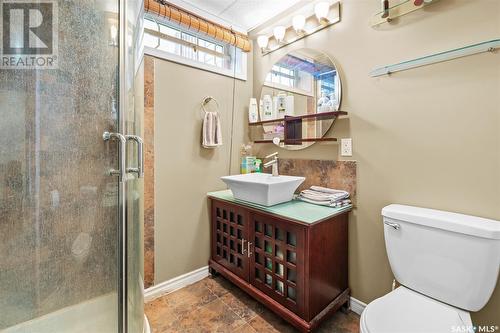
(428, 137)
(185, 171)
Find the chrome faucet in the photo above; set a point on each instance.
(273, 162)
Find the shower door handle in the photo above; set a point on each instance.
(140, 155)
(121, 172)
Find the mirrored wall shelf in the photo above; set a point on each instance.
(295, 141)
(319, 116)
(486, 46)
(398, 8)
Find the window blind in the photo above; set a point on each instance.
(197, 23)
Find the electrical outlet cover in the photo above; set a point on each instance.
(346, 147)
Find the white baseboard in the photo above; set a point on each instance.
(178, 282)
(185, 280)
(357, 306)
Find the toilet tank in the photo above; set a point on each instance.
(450, 257)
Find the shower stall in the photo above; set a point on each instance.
(71, 188)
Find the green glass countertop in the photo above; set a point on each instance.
(296, 210)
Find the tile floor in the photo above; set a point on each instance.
(216, 305)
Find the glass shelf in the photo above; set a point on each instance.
(485, 46)
(401, 8)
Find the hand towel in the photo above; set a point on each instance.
(211, 133)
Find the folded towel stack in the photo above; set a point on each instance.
(325, 196)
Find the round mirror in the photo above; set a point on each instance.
(304, 88)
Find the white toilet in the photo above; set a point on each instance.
(447, 265)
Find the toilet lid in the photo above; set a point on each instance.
(404, 310)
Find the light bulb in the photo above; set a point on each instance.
(298, 22)
(262, 41)
(321, 10)
(279, 33)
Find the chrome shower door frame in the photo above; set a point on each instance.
(134, 172)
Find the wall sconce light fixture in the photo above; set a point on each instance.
(314, 16)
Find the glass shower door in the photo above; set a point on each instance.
(62, 245)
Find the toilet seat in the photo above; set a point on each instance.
(404, 310)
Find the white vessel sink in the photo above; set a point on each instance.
(263, 188)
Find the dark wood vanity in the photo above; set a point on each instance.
(298, 269)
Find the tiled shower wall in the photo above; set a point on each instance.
(149, 173)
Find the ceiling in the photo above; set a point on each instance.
(242, 15)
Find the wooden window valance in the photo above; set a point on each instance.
(196, 23)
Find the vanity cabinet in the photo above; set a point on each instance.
(295, 266)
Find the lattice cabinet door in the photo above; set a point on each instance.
(277, 262)
(229, 237)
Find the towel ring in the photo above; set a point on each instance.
(207, 100)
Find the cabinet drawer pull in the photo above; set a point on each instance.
(249, 249)
(243, 246)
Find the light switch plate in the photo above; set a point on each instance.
(346, 147)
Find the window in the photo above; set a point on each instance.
(327, 85)
(282, 76)
(165, 40)
(290, 79)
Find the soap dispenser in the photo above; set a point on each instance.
(253, 111)
(267, 103)
(281, 104)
